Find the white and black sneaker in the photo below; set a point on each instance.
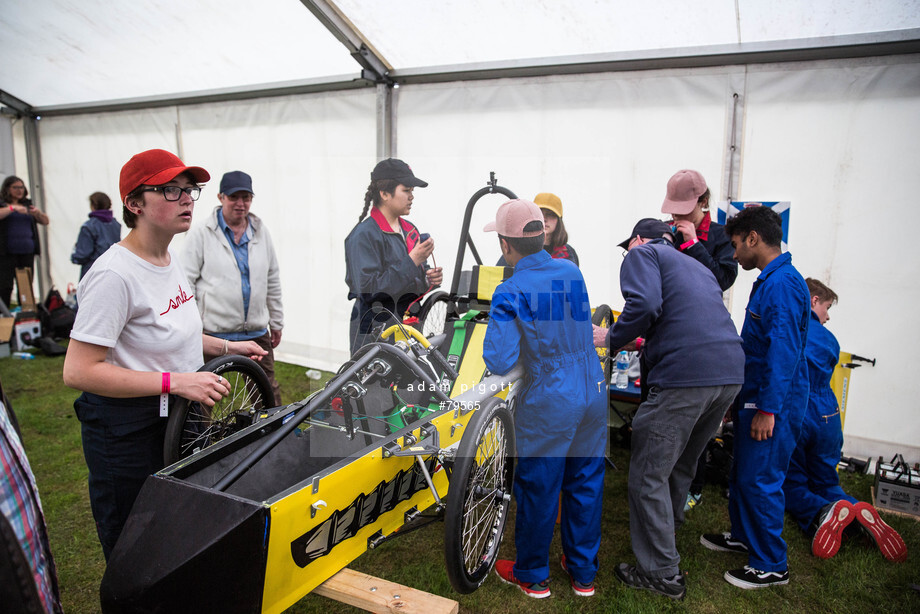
(722, 542)
(748, 577)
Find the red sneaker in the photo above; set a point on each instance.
(889, 542)
(505, 572)
(830, 529)
(579, 588)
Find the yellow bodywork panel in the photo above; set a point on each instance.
(840, 383)
(341, 499)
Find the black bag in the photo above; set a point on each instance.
(56, 316)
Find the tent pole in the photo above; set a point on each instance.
(731, 160)
(386, 121)
(34, 157)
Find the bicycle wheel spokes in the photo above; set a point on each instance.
(482, 510)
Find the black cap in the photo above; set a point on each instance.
(397, 170)
(649, 228)
(235, 181)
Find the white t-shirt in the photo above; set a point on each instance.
(143, 313)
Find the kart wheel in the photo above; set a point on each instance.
(432, 318)
(603, 317)
(479, 496)
(193, 426)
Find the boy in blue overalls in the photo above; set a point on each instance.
(812, 487)
(770, 407)
(541, 317)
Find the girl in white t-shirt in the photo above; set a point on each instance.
(137, 338)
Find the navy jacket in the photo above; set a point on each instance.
(822, 352)
(675, 304)
(97, 234)
(380, 274)
(716, 254)
(541, 315)
(774, 333)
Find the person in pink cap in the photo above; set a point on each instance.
(137, 339)
(687, 200)
(541, 317)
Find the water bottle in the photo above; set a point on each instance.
(314, 374)
(24, 355)
(622, 370)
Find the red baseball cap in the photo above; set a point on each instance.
(513, 216)
(155, 167)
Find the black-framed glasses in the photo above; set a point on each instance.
(174, 192)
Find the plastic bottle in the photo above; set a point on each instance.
(24, 355)
(314, 374)
(622, 380)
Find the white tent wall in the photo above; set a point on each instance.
(832, 137)
(310, 159)
(309, 156)
(829, 136)
(839, 140)
(605, 144)
(82, 155)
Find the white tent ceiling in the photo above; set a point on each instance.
(77, 52)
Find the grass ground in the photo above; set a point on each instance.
(858, 579)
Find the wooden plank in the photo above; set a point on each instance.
(381, 596)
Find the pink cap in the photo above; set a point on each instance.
(684, 190)
(513, 216)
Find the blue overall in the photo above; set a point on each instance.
(541, 315)
(775, 382)
(812, 481)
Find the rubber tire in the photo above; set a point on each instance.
(603, 317)
(250, 391)
(435, 322)
(492, 417)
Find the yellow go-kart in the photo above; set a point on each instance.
(264, 504)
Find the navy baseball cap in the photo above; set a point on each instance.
(649, 228)
(235, 181)
(397, 170)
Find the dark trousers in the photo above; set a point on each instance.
(8, 265)
(268, 365)
(122, 445)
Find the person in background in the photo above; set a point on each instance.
(561, 416)
(137, 339)
(812, 487)
(675, 304)
(19, 243)
(556, 237)
(97, 234)
(687, 200)
(234, 274)
(385, 256)
(768, 412)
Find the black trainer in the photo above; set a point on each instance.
(722, 542)
(748, 577)
(674, 587)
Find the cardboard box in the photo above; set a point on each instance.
(6, 331)
(24, 285)
(897, 486)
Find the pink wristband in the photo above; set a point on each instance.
(165, 387)
(690, 243)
